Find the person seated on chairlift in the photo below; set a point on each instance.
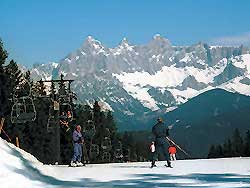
(69, 114)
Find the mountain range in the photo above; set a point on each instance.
(140, 82)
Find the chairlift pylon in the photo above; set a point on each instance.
(51, 121)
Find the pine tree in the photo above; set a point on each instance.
(62, 88)
(237, 144)
(212, 152)
(3, 78)
(247, 144)
(14, 89)
(219, 151)
(110, 124)
(52, 91)
(3, 54)
(99, 120)
(40, 89)
(227, 148)
(14, 74)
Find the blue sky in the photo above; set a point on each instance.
(47, 30)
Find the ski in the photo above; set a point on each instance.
(77, 166)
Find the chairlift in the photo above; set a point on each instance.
(126, 153)
(106, 132)
(118, 154)
(106, 144)
(118, 145)
(23, 110)
(66, 112)
(94, 151)
(90, 129)
(64, 98)
(106, 157)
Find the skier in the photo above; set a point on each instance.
(159, 134)
(152, 153)
(172, 152)
(78, 142)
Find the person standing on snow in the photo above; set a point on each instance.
(159, 134)
(78, 142)
(152, 152)
(172, 152)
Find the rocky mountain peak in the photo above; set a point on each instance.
(136, 79)
(92, 45)
(160, 40)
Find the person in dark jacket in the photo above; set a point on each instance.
(159, 133)
(78, 142)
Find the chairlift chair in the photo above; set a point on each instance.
(118, 154)
(94, 151)
(23, 110)
(66, 111)
(126, 153)
(106, 144)
(106, 132)
(118, 145)
(90, 129)
(106, 157)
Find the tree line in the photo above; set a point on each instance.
(236, 146)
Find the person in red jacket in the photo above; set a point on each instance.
(172, 152)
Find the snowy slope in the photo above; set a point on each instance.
(19, 169)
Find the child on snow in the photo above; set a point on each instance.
(172, 152)
(152, 151)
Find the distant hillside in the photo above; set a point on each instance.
(208, 119)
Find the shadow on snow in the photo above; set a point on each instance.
(140, 180)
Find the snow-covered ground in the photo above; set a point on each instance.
(19, 169)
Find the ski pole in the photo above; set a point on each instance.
(1, 124)
(6, 135)
(178, 147)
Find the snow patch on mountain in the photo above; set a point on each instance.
(170, 109)
(167, 79)
(246, 60)
(236, 86)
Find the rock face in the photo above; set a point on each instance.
(134, 80)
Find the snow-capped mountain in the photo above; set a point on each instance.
(133, 80)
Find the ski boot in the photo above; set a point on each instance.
(72, 164)
(78, 163)
(153, 164)
(168, 164)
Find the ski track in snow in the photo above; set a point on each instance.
(21, 170)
